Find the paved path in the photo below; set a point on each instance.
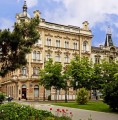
(77, 113)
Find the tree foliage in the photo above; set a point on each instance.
(51, 75)
(111, 95)
(81, 71)
(14, 45)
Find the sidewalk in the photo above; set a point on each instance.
(77, 113)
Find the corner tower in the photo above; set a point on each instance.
(108, 40)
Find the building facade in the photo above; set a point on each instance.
(61, 43)
(108, 51)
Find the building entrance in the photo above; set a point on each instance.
(24, 92)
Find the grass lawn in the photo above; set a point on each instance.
(91, 105)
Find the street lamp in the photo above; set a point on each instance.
(76, 86)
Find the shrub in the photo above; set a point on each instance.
(82, 96)
(14, 111)
(2, 97)
(110, 94)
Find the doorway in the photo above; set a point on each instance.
(24, 91)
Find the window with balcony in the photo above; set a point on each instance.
(57, 43)
(24, 71)
(66, 44)
(36, 56)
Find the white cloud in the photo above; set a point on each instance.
(77, 11)
(32, 3)
(5, 24)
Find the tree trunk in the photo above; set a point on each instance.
(66, 96)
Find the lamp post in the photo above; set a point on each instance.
(76, 87)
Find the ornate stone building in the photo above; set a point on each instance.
(108, 51)
(59, 42)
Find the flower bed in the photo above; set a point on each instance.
(14, 111)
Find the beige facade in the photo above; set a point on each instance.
(108, 51)
(59, 42)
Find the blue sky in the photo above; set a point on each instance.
(99, 13)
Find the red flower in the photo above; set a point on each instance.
(70, 113)
(58, 109)
(63, 110)
(50, 109)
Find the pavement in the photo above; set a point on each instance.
(77, 114)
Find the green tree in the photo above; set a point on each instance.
(51, 76)
(111, 94)
(16, 44)
(108, 71)
(81, 71)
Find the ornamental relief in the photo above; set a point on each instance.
(67, 38)
(48, 34)
(58, 36)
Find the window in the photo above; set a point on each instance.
(75, 46)
(97, 59)
(35, 70)
(57, 43)
(24, 71)
(67, 59)
(48, 42)
(36, 55)
(58, 58)
(66, 44)
(38, 42)
(84, 46)
(48, 56)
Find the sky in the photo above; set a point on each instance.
(100, 14)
